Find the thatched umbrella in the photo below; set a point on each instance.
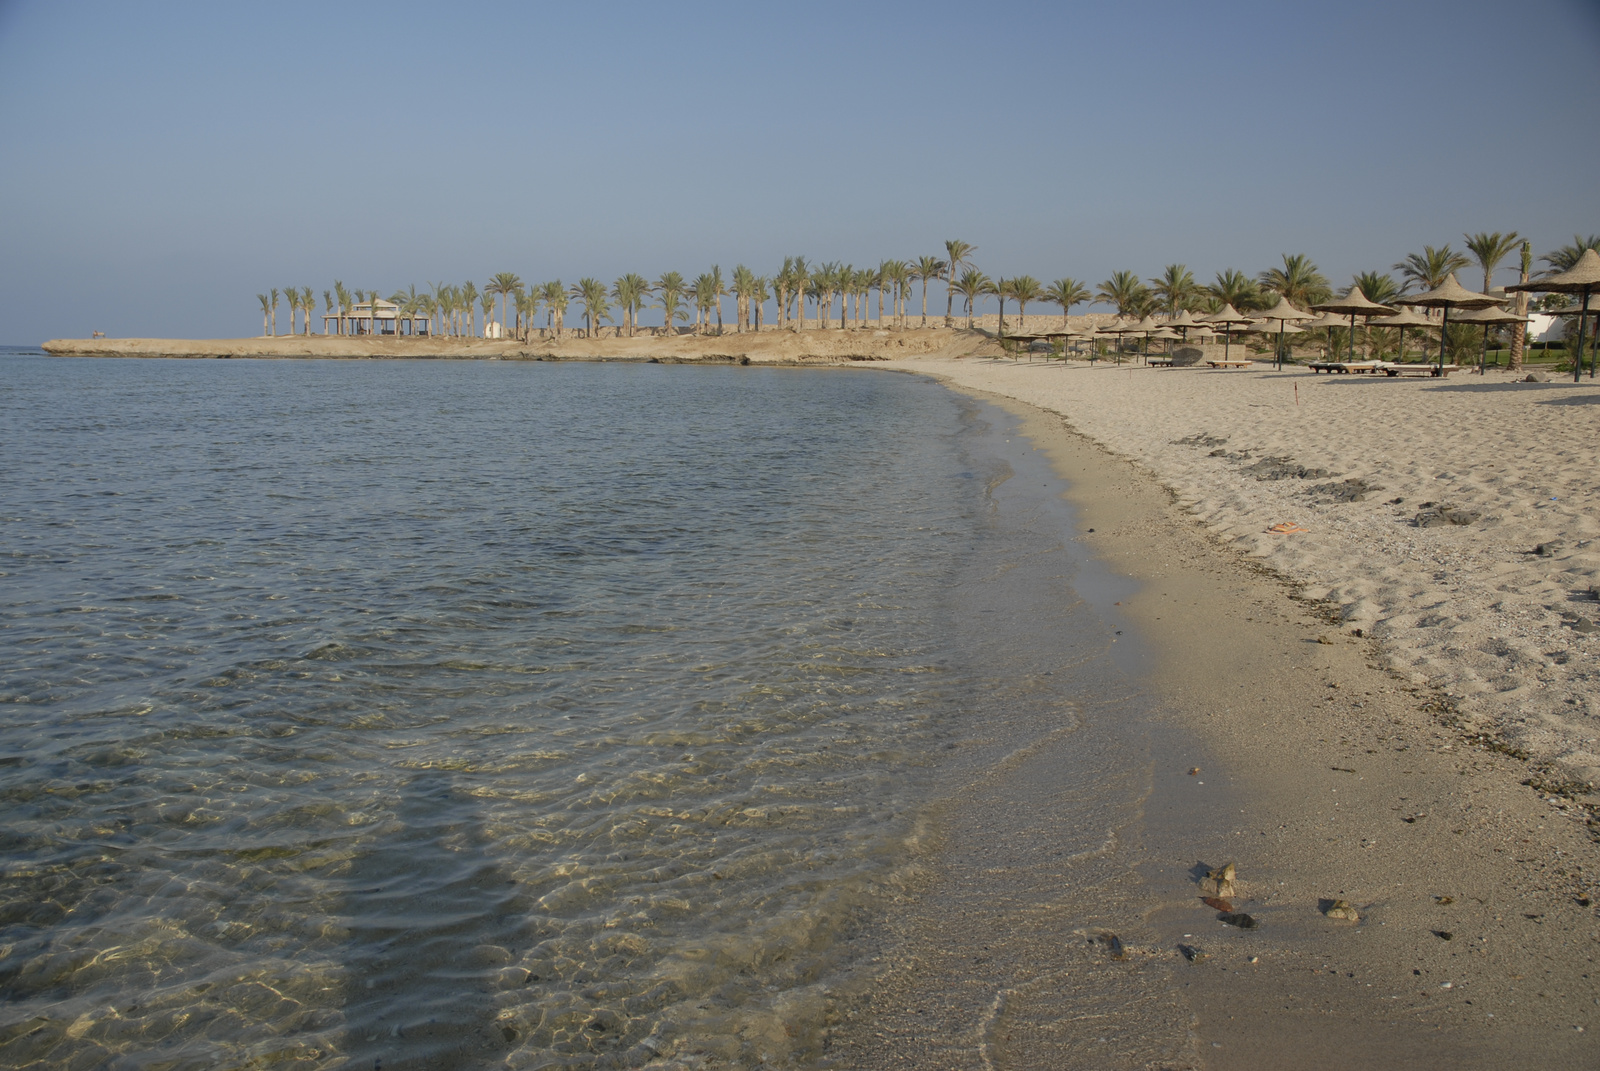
(1120, 326)
(1183, 322)
(1353, 304)
(1163, 334)
(1284, 313)
(1489, 317)
(1327, 320)
(1403, 319)
(1147, 324)
(1582, 278)
(1449, 295)
(1228, 317)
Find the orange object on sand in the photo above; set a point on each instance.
(1286, 528)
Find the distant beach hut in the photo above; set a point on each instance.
(1582, 278)
(380, 317)
(1353, 304)
(1449, 295)
(1488, 317)
(1285, 313)
(1227, 318)
(1407, 317)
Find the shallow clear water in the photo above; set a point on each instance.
(465, 714)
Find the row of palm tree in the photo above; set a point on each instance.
(449, 309)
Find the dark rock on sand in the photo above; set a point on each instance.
(1440, 516)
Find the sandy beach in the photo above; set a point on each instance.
(1394, 716)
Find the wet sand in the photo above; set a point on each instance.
(1324, 775)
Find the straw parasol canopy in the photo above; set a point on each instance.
(1353, 304)
(1227, 318)
(1406, 317)
(1489, 317)
(1284, 313)
(1267, 327)
(1582, 278)
(1448, 295)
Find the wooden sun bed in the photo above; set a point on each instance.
(1346, 366)
(1161, 362)
(1235, 362)
(1437, 371)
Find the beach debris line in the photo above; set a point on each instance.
(1287, 528)
(1221, 881)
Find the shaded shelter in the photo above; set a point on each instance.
(1227, 318)
(1407, 317)
(1284, 313)
(1489, 317)
(1354, 304)
(1448, 295)
(1582, 278)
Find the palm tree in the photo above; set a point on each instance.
(502, 285)
(1123, 289)
(671, 287)
(327, 309)
(274, 312)
(816, 287)
(972, 285)
(1429, 269)
(1234, 287)
(308, 302)
(1375, 286)
(1298, 280)
(718, 291)
(342, 296)
(555, 305)
(1489, 250)
(1174, 288)
(957, 254)
(592, 292)
(639, 291)
(1519, 331)
(705, 289)
(486, 303)
(798, 273)
(266, 312)
(928, 268)
(1025, 288)
(469, 295)
(743, 287)
(760, 297)
(1566, 257)
(291, 296)
(1067, 293)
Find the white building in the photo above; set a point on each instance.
(378, 317)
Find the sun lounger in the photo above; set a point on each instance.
(1161, 361)
(1347, 366)
(1234, 363)
(1391, 369)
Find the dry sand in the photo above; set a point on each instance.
(1323, 773)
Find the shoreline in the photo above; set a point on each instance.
(1326, 777)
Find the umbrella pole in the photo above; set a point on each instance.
(1280, 345)
(1483, 358)
(1400, 348)
(1352, 356)
(1577, 360)
(1444, 330)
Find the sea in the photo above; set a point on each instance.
(423, 714)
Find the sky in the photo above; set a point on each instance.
(164, 162)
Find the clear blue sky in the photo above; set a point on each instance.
(164, 162)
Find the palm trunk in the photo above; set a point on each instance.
(1519, 331)
(949, 295)
(924, 322)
